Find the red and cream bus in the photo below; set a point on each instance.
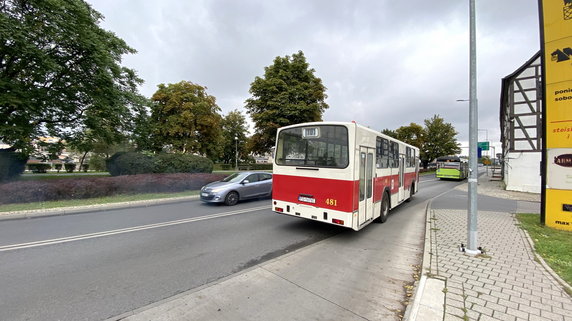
(341, 173)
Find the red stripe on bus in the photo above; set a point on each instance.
(332, 194)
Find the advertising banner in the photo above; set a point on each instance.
(556, 33)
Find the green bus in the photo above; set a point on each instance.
(452, 167)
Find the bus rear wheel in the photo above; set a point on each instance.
(384, 209)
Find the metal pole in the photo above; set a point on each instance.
(236, 152)
(473, 137)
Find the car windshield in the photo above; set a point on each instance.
(234, 178)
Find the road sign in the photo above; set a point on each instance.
(483, 145)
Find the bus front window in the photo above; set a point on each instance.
(327, 146)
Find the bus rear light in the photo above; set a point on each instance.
(336, 221)
(279, 209)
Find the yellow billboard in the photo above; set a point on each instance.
(556, 33)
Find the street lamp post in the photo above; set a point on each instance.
(472, 232)
(236, 152)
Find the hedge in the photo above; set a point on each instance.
(181, 163)
(87, 187)
(132, 163)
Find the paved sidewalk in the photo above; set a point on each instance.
(504, 283)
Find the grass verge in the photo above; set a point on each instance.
(92, 201)
(554, 246)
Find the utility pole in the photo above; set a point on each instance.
(472, 234)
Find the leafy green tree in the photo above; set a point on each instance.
(186, 119)
(414, 134)
(288, 93)
(440, 140)
(60, 73)
(234, 125)
(389, 132)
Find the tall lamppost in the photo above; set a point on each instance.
(236, 152)
(472, 231)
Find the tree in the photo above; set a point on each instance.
(60, 73)
(234, 125)
(440, 140)
(186, 119)
(289, 93)
(414, 134)
(389, 132)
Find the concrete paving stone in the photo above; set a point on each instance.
(529, 309)
(568, 318)
(552, 291)
(481, 291)
(457, 302)
(495, 306)
(472, 300)
(522, 290)
(550, 301)
(505, 316)
(450, 317)
(454, 311)
(567, 311)
(515, 283)
(541, 306)
(508, 304)
(519, 300)
(517, 313)
(486, 280)
(475, 283)
(489, 298)
(511, 292)
(530, 297)
(473, 315)
(539, 318)
(551, 315)
(482, 310)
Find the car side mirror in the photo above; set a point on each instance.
(245, 181)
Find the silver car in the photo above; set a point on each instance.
(238, 186)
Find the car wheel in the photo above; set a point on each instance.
(384, 209)
(231, 198)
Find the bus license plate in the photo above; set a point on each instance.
(307, 199)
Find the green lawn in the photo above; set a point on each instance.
(554, 246)
(92, 201)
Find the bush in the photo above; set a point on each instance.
(39, 168)
(97, 163)
(70, 167)
(12, 164)
(84, 167)
(181, 163)
(129, 163)
(255, 167)
(88, 187)
(58, 167)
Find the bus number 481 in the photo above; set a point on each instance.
(331, 202)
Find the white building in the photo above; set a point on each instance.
(521, 127)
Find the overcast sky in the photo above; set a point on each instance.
(385, 63)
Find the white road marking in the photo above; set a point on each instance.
(125, 230)
(429, 180)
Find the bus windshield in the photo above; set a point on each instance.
(448, 162)
(313, 146)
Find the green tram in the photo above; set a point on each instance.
(452, 167)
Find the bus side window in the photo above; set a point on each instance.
(395, 148)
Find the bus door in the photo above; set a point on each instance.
(366, 171)
(401, 178)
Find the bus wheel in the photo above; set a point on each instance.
(231, 198)
(384, 209)
(411, 193)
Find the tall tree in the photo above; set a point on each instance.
(288, 93)
(414, 134)
(389, 132)
(186, 119)
(440, 140)
(234, 130)
(60, 73)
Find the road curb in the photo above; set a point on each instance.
(16, 215)
(412, 309)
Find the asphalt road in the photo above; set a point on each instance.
(93, 266)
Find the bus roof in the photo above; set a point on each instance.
(340, 123)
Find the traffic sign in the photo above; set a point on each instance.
(483, 145)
